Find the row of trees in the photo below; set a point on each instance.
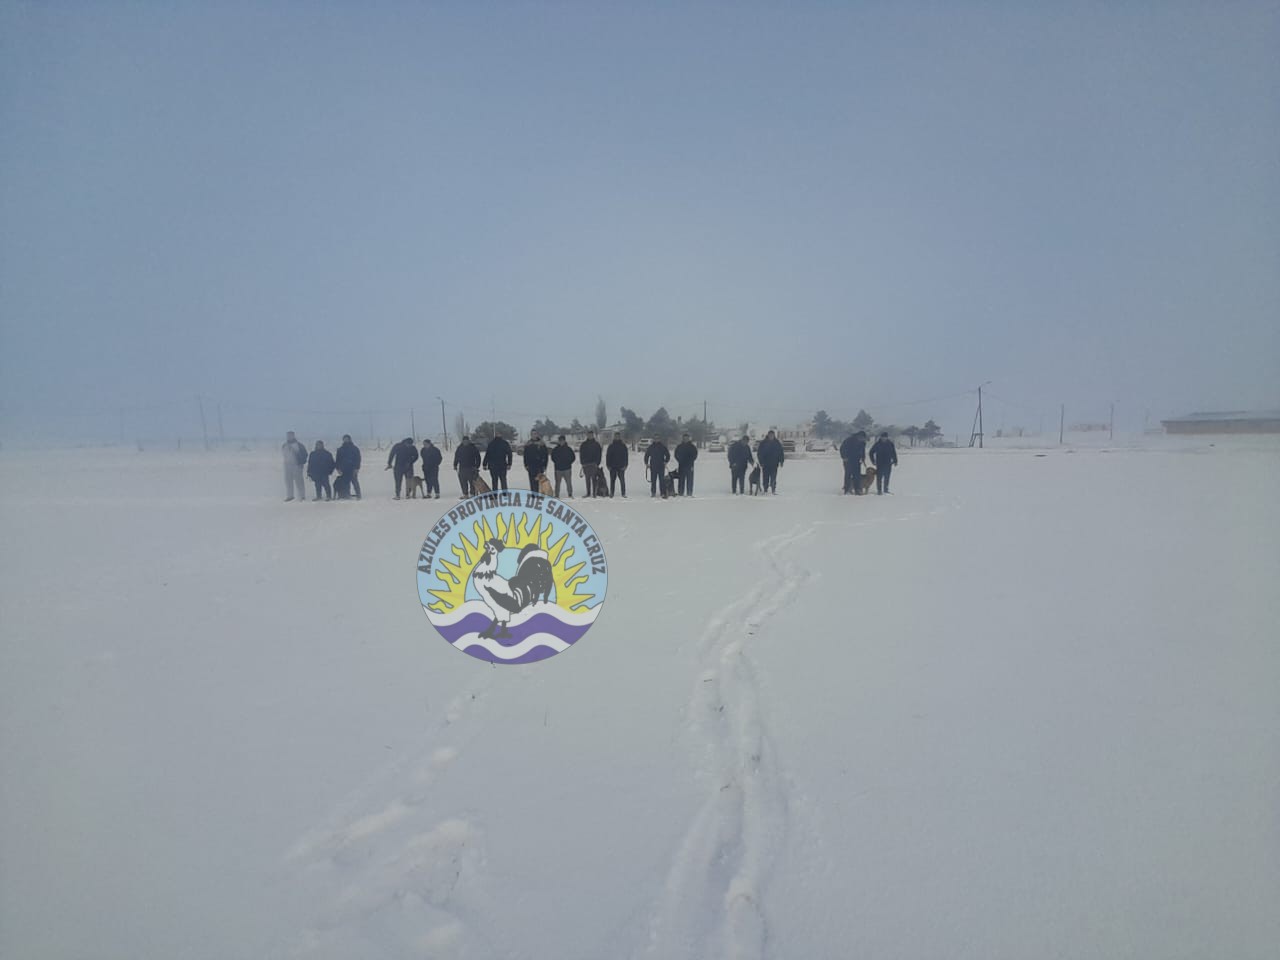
(661, 425)
(826, 427)
(632, 426)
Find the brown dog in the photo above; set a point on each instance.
(868, 479)
(480, 485)
(544, 486)
(415, 487)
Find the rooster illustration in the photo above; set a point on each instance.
(532, 582)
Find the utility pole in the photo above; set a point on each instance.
(204, 426)
(704, 423)
(1111, 424)
(977, 421)
(1062, 422)
(413, 425)
(443, 426)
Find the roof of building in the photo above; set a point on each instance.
(1225, 415)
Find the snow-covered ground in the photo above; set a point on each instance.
(1027, 706)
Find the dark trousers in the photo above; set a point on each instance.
(431, 480)
(589, 471)
(852, 477)
(533, 480)
(499, 478)
(354, 476)
(655, 480)
(402, 476)
(323, 485)
(617, 476)
(769, 477)
(882, 478)
(739, 478)
(467, 480)
(685, 481)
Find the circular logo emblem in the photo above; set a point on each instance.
(512, 576)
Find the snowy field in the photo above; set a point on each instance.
(1028, 706)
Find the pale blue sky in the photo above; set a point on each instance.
(776, 208)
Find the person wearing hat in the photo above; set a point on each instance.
(739, 459)
(685, 454)
(348, 462)
(466, 461)
(884, 457)
(403, 456)
(563, 457)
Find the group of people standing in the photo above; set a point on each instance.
(319, 464)
(883, 456)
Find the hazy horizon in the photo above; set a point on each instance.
(306, 215)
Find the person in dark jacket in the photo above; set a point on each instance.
(535, 459)
(466, 461)
(656, 457)
(589, 455)
(853, 452)
(615, 459)
(563, 457)
(497, 460)
(319, 468)
(740, 458)
(771, 457)
(884, 457)
(403, 456)
(431, 459)
(347, 460)
(686, 453)
(295, 459)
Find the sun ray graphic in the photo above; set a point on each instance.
(515, 532)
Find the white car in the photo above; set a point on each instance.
(816, 446)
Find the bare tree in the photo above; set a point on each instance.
(602, 416)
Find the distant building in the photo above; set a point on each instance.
(1232, 421)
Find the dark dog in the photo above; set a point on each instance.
(754, 480)
(601, 484)
(342, 487)
(669, 484)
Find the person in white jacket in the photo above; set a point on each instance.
(295, 459)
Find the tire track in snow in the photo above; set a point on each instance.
(710, 905)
